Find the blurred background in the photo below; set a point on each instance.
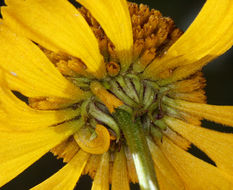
(219, 90)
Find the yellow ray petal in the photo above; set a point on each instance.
(119, 173)
(99, 145)
(197, 96)
(195, 173)
(182, 115)
(208, 37)
(66, 150)
(189, 85)
(177, 139)
(58, 26)
(18, 150)
(114, 18)
(16, 115)
(218, 114)
(165, 168)
(28, 70)
(218, 146)
(50, 103)
(101, 180)
(92, 165)
(163, 181)
(67, 177)
(132, 174)
(187, 70)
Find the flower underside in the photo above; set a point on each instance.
(116, 91)
(122, 88)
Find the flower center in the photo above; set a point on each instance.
(140, 98)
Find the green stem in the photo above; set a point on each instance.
(139, 149)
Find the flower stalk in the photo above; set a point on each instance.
(136, 140)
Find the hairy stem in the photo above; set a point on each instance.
(135, 137)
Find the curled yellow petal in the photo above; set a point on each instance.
(107, 98)
(218, 114)
(99, 145)
(101, 180)
(57, 26)
(27, 70)
(119, 173)
(67, 177)
(114, 18)
(206, 38)
(195, 173)
(217, 145)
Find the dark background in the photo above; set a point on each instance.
(219, 75)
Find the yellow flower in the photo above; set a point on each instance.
(114, 89)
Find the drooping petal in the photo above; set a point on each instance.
(67, 177)
(195, 173)
(114, 18)
(18, 150)
(218, 114)
(57, 26)
(218, 146)
(27, 70)
(101, 180)
(16, 115)
(208, 37)
(119, 173)
(169, 176)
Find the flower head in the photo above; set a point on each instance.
(116, 90)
